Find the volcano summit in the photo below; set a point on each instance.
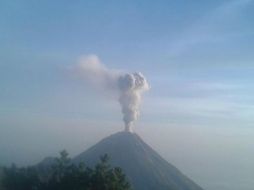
(145, 168)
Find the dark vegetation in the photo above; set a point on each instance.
(64, 175)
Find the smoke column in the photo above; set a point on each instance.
(129, 86)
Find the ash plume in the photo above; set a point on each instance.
(128, 86)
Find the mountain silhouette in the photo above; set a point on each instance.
(144, 167)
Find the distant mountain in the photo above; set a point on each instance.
(44, 167)
(47, 162)
(145, 168)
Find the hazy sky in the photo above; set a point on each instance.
(197, 56)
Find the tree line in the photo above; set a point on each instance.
(64, 175)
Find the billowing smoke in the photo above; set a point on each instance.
(129, 86)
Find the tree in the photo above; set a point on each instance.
(107, 178)
(20, 178)
(66, 176)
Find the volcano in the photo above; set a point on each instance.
(145, 168)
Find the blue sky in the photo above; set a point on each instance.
(197, 56)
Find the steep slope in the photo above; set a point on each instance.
(146, 169)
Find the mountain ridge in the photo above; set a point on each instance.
(144, 167)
